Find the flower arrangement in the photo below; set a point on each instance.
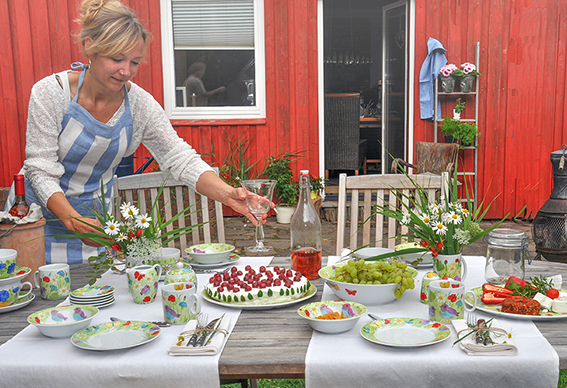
(134, 235)
(469, 69)
(442, 227)
(449, 70)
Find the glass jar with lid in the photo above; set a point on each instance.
(506, 255)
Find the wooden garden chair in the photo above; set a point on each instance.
(432, 158)
(142, 190)
(376, 190)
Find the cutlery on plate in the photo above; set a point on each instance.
(158, 323)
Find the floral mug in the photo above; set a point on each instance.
(180, 302)
(446, 300)
(143, 282)
(53, 281)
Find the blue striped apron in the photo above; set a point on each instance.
(90, 151)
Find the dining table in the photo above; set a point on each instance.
(276, 343)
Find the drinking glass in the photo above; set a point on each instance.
(258, 200)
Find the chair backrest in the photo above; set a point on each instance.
(143, 190)
(375, 190)
(342, 131)
(435, 157)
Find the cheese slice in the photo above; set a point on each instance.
(559, 306)
(543, 300)
(556, 281)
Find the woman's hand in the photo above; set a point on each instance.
(238, 202)
(85, 225)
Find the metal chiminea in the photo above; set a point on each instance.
(550, 224)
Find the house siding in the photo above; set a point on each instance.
(522, 88)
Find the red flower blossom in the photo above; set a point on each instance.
(423, 296)
(147, 299)
(171, 298)
(439, 245)
(453, 298)
(116, 247)
(139, 233)
(46, 279)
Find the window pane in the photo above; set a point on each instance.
(232, 70)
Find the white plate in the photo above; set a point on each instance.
(115, 335)
(405, 332)
(312, 291)
(101, 305)
(19, 304)
(495, 309)
(231, 259)
(89, 300)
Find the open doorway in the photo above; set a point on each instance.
(365, 51)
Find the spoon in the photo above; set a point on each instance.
(160, 324)
(374, 317)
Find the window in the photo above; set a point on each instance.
(213, 59)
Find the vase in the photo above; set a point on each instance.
(284, 213)
(450, 266)
(467, 83)
(447, 83)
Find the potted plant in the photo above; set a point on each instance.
(449, 126)
(466, 134)
(448, 75)
(286, 190)
(467, 74)
(459, 108)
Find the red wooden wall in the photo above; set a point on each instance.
(522, 89)
(35, 41)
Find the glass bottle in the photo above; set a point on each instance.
(20, 208)
(306, 232)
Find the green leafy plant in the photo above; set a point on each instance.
(463, 133)
(459, 106)
(278, 168)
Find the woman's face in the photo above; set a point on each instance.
(114, 72)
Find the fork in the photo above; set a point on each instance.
(202, 320)
(471, 319)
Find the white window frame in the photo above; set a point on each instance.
(212, 112)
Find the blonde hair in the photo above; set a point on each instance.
(112, 26)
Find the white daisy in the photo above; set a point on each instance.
(440, 228)
(112, 228)
(424, 217)
(406, 218)
(122, 237)
(129, 211)
(453, 218)
(143, 221)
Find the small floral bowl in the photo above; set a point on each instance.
(346, 313)
(63, 321)
(214, 253)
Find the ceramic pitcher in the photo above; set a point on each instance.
(143, 282)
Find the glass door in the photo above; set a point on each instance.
(394, 70)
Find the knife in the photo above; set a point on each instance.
(206, 329)
(193, 340)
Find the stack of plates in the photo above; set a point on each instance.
(98, 296)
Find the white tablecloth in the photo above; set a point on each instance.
(33, 360)
(343, 360)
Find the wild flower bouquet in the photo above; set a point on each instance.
(134, 234)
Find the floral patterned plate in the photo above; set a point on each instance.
(19, 273)
(115, 335)
(231, 259)
(92, 292)
(405, 332)
(18, 304)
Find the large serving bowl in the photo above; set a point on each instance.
(352, 310)
(368, 294)
(426, 257)
(63, 321)
(366, 253)
(214, 253)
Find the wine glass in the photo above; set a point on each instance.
(259, 200)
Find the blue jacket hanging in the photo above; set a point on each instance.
(429, 71)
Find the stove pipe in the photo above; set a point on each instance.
(549, 229)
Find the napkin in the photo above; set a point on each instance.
(503, 344)
(214, 347)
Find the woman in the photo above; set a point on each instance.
(82, 123)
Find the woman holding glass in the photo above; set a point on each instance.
(82, 122)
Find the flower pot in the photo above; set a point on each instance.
(447, 83)
(467, 83)
(284, 214)
(449, 139)
(456, 115)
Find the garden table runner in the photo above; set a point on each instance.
(347, 359)
(33, 360)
